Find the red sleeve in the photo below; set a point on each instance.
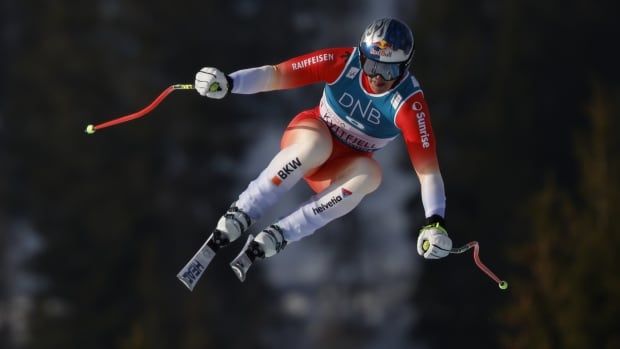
(414, 121)
(319, 66)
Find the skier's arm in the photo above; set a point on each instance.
(413, 119)
(319, 66)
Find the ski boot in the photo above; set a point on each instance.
(267, 243)
(229, 227)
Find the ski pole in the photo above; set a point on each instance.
(90, 129)
(458, 250)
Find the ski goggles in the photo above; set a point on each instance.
(388, 71)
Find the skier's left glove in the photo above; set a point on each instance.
(433, 241)
(212, 83)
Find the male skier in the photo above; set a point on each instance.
(369, 98)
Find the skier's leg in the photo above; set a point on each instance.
(306, 144)
(347, 181)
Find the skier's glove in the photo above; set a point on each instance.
(433, 241)
(212, 83)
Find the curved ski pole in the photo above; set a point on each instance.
(458, 250)
(90, 129)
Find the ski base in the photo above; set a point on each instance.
(193, 270)
(242, 263)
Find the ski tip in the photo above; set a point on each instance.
(193, 270)
(238, 272)
(189, 285)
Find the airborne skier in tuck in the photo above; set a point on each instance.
(369, 98)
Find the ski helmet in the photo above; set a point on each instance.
(386, 48)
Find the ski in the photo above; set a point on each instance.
(193, 270)
(242, 262)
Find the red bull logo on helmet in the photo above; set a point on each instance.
(381, 48)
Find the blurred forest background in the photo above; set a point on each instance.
(525, 101)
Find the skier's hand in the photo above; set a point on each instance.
(212, 83)
(433, 241)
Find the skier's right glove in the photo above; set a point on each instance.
(433, 241)
(212, 83)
